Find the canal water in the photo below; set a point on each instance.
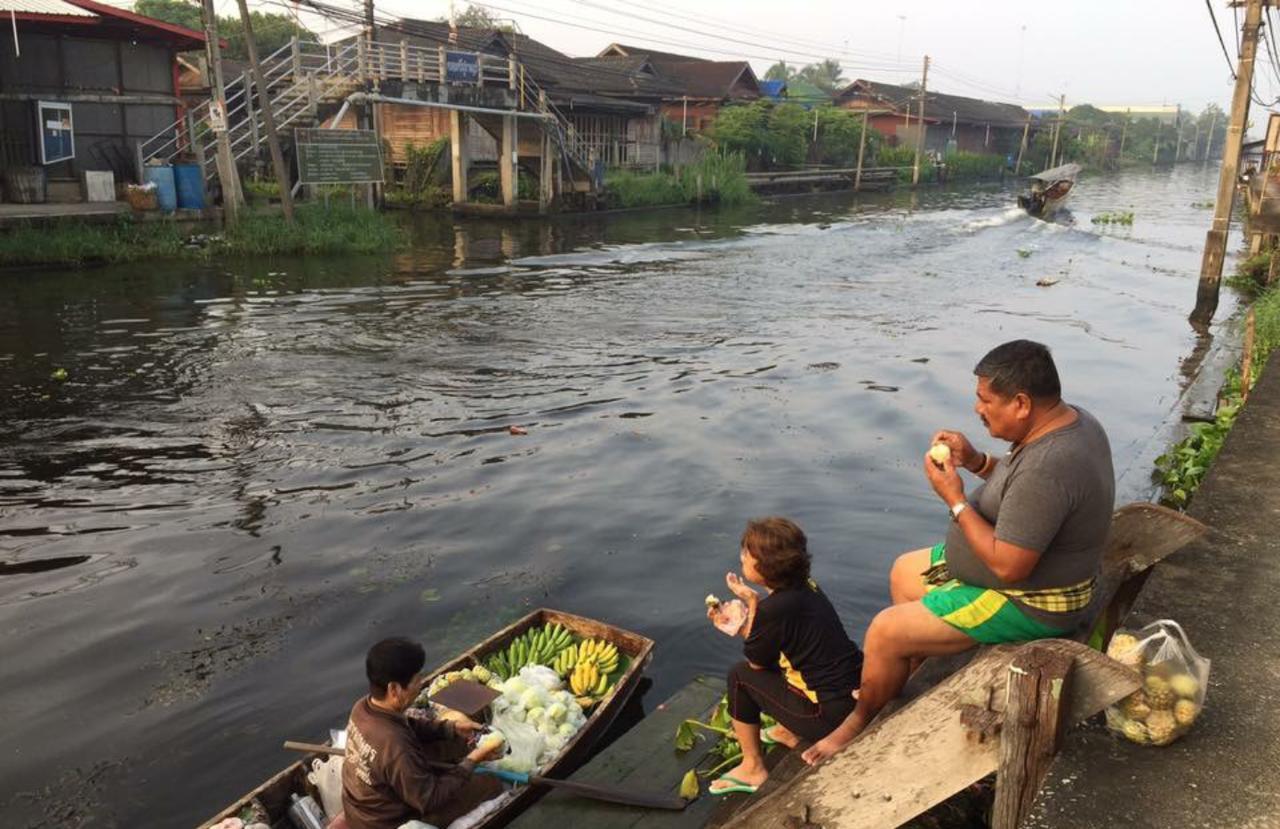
(253, 470)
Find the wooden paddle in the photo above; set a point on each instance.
(645, 800)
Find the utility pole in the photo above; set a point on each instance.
(1155, 145)
(268, 118)
(862, 148)
(1057, 131)
(232, 197)
(1208, 139)
(1215, 243)
(1124, 129)
(1022, 148)
(924, 81)
(1195, 143)
(369, 24)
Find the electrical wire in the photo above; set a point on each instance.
(1208, 4)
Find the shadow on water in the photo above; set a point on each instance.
(252, 470)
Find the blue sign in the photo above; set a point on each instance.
(462, 67)
(57, 138)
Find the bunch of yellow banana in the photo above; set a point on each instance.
(603, 654)
(587, 680)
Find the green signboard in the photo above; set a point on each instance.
(338, 156)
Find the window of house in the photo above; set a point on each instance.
(57, 139)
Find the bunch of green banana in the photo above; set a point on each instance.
(536, 646)
(599, 652)
(587, 680)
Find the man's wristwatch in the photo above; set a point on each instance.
(957, 508)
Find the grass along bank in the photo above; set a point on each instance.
(718, 178)
(1182, 469)
(318, 230)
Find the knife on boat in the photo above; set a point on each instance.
(648, 800)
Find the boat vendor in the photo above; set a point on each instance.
(1023, 552)
(386, 779)
(801, 668)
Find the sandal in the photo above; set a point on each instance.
(765, 739)
(736, 785)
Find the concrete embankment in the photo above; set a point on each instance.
(1223, 590)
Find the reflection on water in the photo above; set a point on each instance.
(252, 470)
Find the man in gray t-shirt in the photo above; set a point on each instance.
(1023, 552)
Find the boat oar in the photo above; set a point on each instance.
(648, 800)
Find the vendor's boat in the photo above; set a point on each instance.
(275, 795)
(1049, 189)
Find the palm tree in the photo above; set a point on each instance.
(780, 71)
(827, 75)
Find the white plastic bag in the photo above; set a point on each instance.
(1174, 682)
(326, 776)
(524, 743)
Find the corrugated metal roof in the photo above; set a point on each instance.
(57, 7)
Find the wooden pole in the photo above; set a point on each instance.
(1155, 146)
(1208, 139)
(232, 197)
(1246, 363)
(1124, 130)
(1057, 131)
(268, 118)
(862, 149)
(1035, 711)
(1022, 148)
(915, 168)
(1195, 143)
(1215, 245)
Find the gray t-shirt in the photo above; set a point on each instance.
(1054, 495)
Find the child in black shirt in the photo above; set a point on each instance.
(801, 668)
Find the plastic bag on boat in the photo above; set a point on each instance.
(524, 743)
(326, 776)
(338, 737)
(1174, 683)
(540, 676)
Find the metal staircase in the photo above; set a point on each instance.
(300, 76)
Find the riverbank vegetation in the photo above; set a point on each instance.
(1181, 470)
(718, 178)
(1112, 140)
(335, 229)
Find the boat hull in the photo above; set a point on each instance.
(275, 793)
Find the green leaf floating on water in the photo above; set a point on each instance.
(59, 374)
(429, 595)
(689, 785)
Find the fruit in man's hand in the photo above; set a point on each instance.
(939, 453)
(711, 600)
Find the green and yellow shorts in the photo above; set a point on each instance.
(986, 615)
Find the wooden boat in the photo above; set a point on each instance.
(1049, 189)
(275, 794)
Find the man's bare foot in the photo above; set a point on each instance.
(753, 775)
(781, 735)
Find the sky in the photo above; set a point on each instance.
(1104, 52)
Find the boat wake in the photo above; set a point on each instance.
(1004, 217)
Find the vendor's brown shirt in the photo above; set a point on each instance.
(386, 779)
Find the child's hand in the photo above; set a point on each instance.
(740, 589)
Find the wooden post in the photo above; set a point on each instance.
(1057, 131)
(1195, 143)
(232, 197)
(1208, 139)
(404, 60)
(1037, 686)
(1124, 129)
(458, 148)
(268, 117)
(296, 49)
(251, 116)
(1246, 362)
(197, 149)
(1155, 146)
(915, 168)
(1215, 244)
(138, 162)
(362, 59)
(508, 168)
(444, 65)
(546, 177)
(1022, 147)
(862, 149)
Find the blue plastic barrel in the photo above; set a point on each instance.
(190, 186)
(162, 177)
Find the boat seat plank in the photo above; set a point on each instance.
(644, 757)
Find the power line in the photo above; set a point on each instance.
(1208, 4)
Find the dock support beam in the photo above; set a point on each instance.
(1038, 680)
(508, 161)
(458, 149)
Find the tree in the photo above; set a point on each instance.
(780, 71)
(479, 17)
(839, 134)
(271, 31)
(827, 75)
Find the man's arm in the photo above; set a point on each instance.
(1008, 561)
(424, 789)
(431, 728)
